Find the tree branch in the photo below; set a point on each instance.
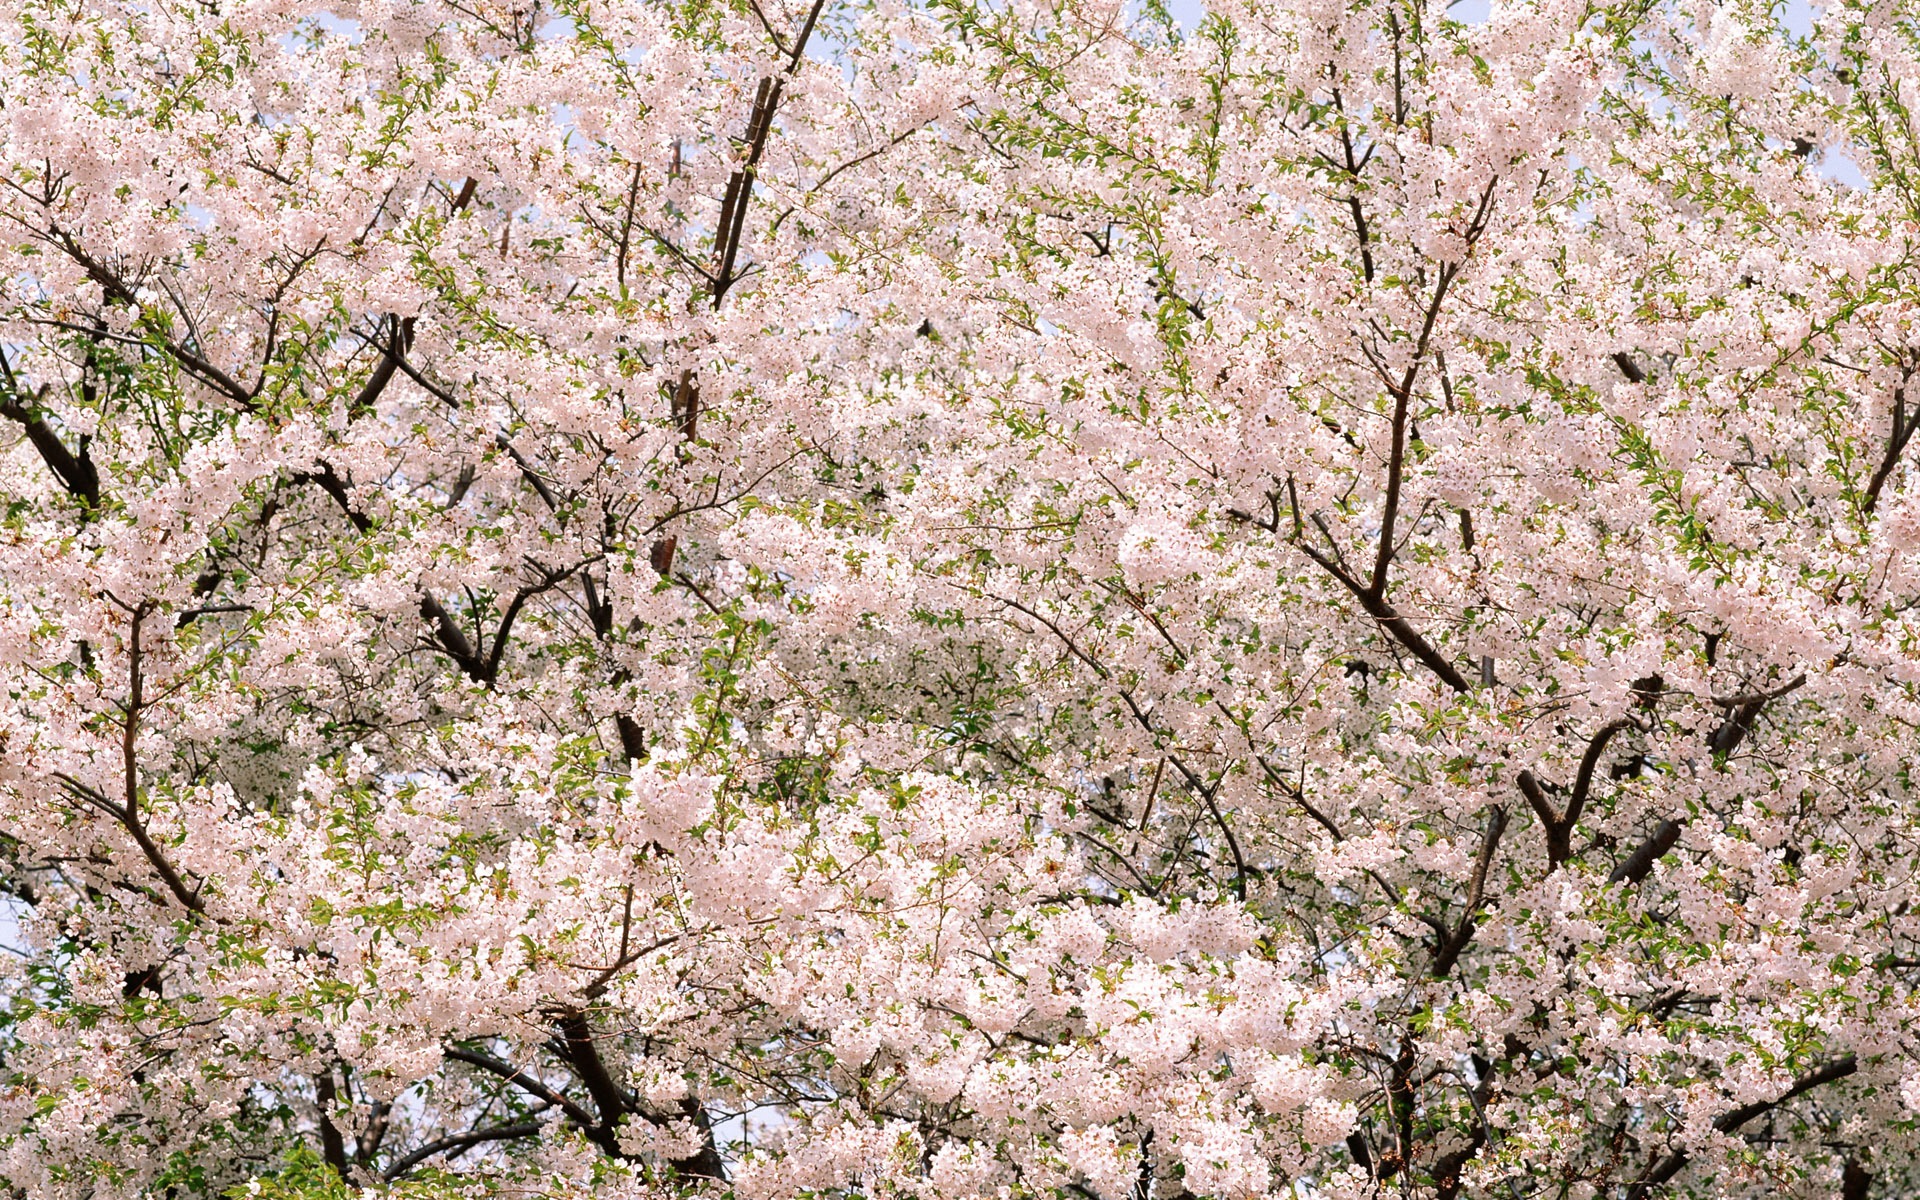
(1897, 439)
(1372, 594)
(584, 1057)
(1447, 953)
(333, 1147)
(733, 207)
(382, 373)
(522, 1080)
(461, 1141)
(1744, 711)
(1674, 1161)
(1636, 865)
(1397, 626)
(116, 289)
(75, 472)
(1559, 826)
(130, 764)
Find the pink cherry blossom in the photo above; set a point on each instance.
(1031, 601)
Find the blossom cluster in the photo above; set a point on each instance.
(1020, 601)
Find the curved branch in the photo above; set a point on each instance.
(76, 472)
(522, 1080)
(461, 1141)
(1671, 1164)
(1559, 826)
(1448, 952)
(1903, 430)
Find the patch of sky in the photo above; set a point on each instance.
(1189, 13)
(1836, 165)
(1797, 17)
(12, 941)
(345, 27)
(828, 45)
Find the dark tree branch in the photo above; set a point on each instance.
(577, 1044)
(327, 481)
(1902, 433)
(382, 374)
(1636, 865)
(739, 193)
(1855, 1181)
(705, 1162)
(427, 385)
(524, 1081)
(685, 405)
(490, 668)
(332, 1146)
(1360, 232)
(626, 232)
(452, 639)
(1583, 778)
(1448, 951)
(1559, 826)
(1402, 400)
(1372, 593)
(129, 809)
(527, 472)
(1298, 796)
(1397, 626)
(461, 1141)
(117, 290)
(75, 472)
(583, 1055)
(1743, 711)
(1671, 1164)
(481, 666)
(1448, 1167)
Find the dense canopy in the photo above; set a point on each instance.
(1022, 599)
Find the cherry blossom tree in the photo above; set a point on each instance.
(982, 598)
